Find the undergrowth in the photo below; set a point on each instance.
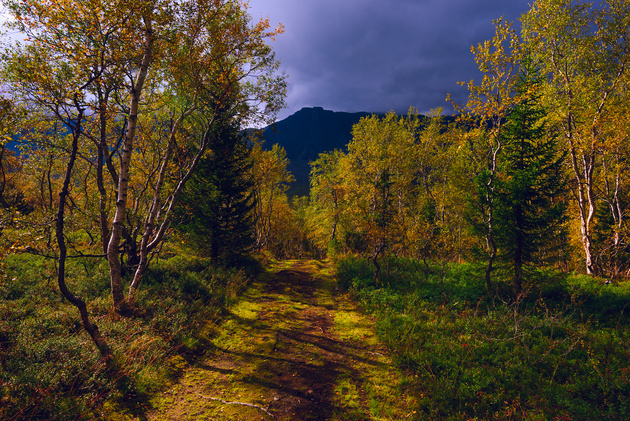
(50, 369)
(559, 352)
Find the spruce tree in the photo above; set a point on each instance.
(530, 210)
(216, 207)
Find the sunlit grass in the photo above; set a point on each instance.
(559, 351)
(51, 369)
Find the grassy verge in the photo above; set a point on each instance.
(561, 352)
(49, 368)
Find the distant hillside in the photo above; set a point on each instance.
(309, 132)
(306, 134)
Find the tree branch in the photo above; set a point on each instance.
(238, 403)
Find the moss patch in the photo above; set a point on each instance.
(293, 348)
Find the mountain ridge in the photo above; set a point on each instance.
(306, 134)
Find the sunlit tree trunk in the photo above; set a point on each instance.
(113, 248)
(490, 198)
(156, 225)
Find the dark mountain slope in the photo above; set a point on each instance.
(306, 134)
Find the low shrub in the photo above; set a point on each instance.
(50, 369)
(353, 268)
(557, 353)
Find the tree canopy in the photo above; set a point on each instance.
(125, 96)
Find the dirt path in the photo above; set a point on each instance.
(294, 348)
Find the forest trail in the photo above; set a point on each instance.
(293, 348)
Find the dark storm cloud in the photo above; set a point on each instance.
(375, 55)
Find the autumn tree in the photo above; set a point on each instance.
(138, 86)
(10, 164)
(584, 51)
(610, 231)
(488, 105)
(272, 214)
(327, 195)
(220, 69)
(433, 219)
(53, 72)
(391, 193)
(379, 178)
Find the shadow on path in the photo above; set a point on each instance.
(281, 355)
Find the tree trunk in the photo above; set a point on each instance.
(378, 249)
(585, 198)
(102, 150)
(335, 218)
(89, 327)
(491, 258)
(149, 226)
(152, 237)
(113, 248)
(490, 196)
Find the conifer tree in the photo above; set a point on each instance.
(217, 204)
(530, 209)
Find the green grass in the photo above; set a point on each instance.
(50, 369)
(560, 352)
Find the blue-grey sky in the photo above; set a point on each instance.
(375, 55)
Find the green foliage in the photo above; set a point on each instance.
(353, 268)
(216, 207)
(48, 367)
(391, 192)
(558, 352)
(529, 213)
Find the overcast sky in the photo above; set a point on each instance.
(376, 55)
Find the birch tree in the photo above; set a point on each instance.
(585, 52)
(271, 181)
(65, 53)
(111, 72)
(379, 173)
(487, 106)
